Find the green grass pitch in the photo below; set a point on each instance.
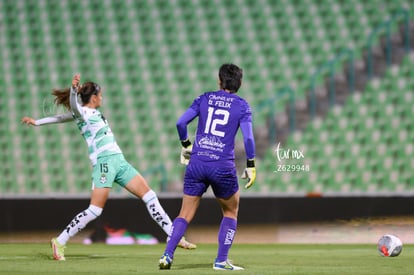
(36, 258)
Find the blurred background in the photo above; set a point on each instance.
(331, 85)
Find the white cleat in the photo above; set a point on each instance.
(226, 265)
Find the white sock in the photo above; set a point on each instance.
(79, 222)
(156, 211)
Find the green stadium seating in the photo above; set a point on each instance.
(152, 58)
(371, 151)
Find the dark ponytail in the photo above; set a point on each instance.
(62, 97)
(86, 91)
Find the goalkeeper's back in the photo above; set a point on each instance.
(219, 116)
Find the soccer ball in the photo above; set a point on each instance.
(389, 246)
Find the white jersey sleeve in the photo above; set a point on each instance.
(75, 107)
(60, 118)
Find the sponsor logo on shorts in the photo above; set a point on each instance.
(103, 178)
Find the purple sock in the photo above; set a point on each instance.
(226, 235)
(178, 229)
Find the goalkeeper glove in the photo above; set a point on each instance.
(249, 173)
(186, 149)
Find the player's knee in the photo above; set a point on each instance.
(95, 210)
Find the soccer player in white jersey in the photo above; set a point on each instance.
(109, 164)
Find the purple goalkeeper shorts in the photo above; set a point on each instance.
(198, 178)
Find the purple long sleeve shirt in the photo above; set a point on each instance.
(220, 114)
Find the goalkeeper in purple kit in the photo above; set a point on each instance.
(211, 161)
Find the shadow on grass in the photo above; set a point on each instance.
(191, 266)
(86, 256)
